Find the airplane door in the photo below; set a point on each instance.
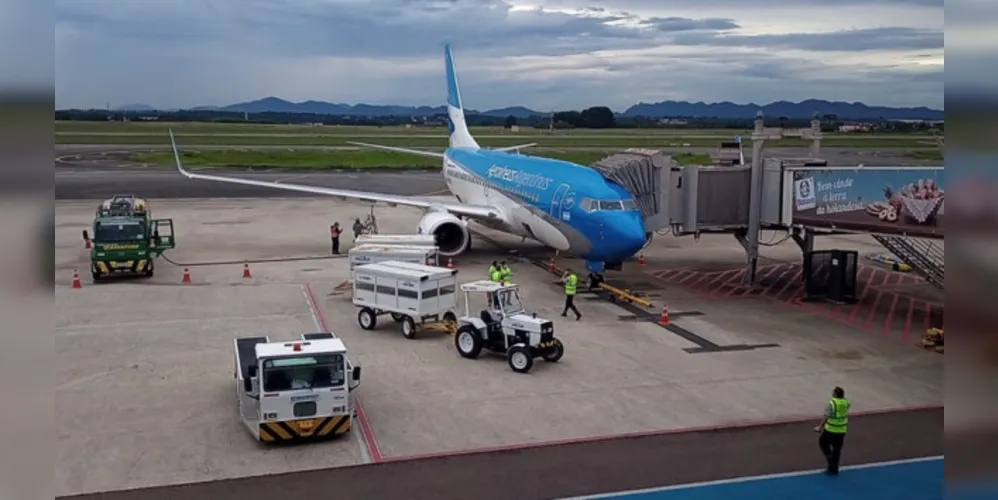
(556, 199)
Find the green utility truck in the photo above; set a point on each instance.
(126, 239)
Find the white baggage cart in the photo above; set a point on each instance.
(422, 298)
(372, 253)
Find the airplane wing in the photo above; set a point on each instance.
(396, 149)
(473, 211)
(517, 147)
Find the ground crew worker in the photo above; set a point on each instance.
(507, 273)
(358, 228)
(334, 235)
(571, 286)
(492, 270)
(495, 274)
(833, 429)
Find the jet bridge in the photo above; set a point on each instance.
(645, 173)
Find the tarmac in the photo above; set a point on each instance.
(146, 395)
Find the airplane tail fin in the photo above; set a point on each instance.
(460, 136)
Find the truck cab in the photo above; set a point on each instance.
(126, 239)
(298, 390)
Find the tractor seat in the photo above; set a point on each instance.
(491, 325)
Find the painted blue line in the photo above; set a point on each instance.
(918, 479)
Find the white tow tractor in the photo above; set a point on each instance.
(504, 327)
(421, 298)
(298, 390)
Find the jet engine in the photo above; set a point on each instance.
(450, 232)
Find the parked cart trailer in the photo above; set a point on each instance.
(422, 298)
(371, 253)
(297, 390)
(423, 240)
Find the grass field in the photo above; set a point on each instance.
(346, 159)
(155, 128)
(568, 141)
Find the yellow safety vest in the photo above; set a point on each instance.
(571, 283)
(496, 276)
(492, 270)
(507, 273)
(839, 421)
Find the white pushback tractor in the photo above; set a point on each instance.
(298, 390)
(372, 253)
(420, 297)
(504, 327)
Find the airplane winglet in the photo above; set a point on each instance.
(176, 156)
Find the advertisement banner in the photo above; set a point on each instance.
(886, 200)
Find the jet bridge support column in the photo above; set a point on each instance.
(755, 201)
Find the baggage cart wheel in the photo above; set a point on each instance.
(449, 316)
(555, 352)
(397, 317)
(408, 327)
(468, 342)
(367, 319)
(519, 358)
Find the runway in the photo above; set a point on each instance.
(73, 183)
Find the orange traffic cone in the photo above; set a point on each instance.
(76, 280)
(664, 320)
(246, 271)
(641, 259)
(187, 276)
(450, 263)
(551, 267)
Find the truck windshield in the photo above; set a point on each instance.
(119, 231)
(510, 301)
(303, 372)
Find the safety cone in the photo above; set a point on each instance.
(664, 320)
(246, 271)
(641, 259)
(187, 276)
(450, 263)
(551, 267)
(76, 280)
(86, 244)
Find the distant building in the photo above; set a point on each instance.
(673, 121)
(855, 127)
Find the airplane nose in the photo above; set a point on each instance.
(629, 233)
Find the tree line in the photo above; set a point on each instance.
(596, 117)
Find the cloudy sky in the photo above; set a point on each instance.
(544, 54)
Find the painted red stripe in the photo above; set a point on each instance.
(365, 425)
(889, 320)
(906, 334)
(786, 269)
(876, 301)
(793, 282)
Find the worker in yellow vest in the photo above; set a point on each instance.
(833, 429)
(507, 273)
(571, 281)
(495, 274)
(492, 269)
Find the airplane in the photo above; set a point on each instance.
(568, 207)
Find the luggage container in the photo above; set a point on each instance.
(420, 297)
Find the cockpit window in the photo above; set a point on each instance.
(590, 205)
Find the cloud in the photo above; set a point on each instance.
(533, 52)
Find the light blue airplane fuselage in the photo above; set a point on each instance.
(541, 196)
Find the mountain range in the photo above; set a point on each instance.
(665, 109)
